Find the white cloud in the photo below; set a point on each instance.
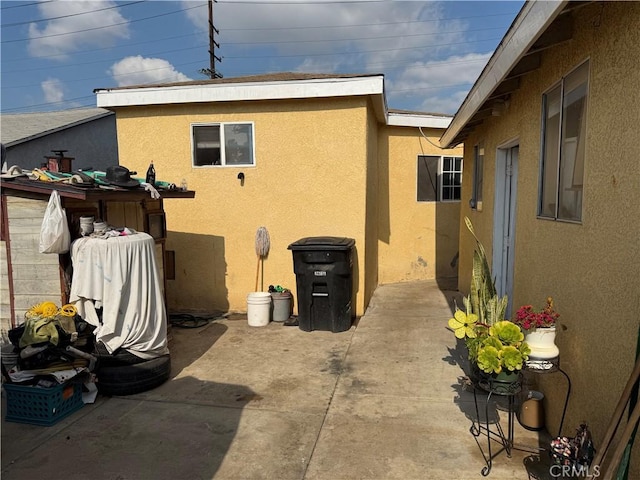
(443, 84)
(444, 103)
(412, 43)
(53, 90)
(138, 70)
(74, 32)
(198, 16)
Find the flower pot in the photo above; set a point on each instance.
(506, 382)
(541, 341)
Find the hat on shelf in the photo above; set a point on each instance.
(121, 177)
(13, 172)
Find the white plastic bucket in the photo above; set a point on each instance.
(258, 308)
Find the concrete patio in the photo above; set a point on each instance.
(384, 400)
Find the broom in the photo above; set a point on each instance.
(262, 250)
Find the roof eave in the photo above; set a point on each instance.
(401, 119)
(532, 21)
(229, 92)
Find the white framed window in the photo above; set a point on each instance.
(439, 178)
(222, 144)
(564, 119)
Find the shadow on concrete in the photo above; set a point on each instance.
(189, 344)
(177, 434)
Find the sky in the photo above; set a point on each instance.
(56, 52)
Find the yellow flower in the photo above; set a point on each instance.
(463, 324)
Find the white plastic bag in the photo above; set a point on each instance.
(54, 233)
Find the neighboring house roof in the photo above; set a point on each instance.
(286, 85)
(404, 118)
(538, 26)
(22, 127)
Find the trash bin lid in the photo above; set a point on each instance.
(323, 243)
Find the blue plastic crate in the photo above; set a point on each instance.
(42, 406)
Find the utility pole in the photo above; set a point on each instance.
(211, 71)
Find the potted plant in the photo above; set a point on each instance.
(495, 345)
(540, 329)
(497, 351)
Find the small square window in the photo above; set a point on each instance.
(223, 144)
(439, 178)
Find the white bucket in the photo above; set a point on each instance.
(258, 308)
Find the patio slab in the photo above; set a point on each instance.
(384, 400)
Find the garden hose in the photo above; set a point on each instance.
(50, 309)
(188, 320)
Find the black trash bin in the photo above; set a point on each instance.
(323, 268)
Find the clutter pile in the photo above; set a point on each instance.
(48, 364)
(114, 177)
(51, 339)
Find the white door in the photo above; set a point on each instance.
(504, 220)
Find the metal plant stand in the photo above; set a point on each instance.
(550, 365)
(538, 466)
(478, 428)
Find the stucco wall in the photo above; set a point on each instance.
(371, 226)
(591, 269)
(310, 179)
(418, 240)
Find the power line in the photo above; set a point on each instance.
(29, 22)
(99, 28)
(323, 27)
(246, 57)
(24, 5)
(381, 37)
(94, 50)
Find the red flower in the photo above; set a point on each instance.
(527, 318)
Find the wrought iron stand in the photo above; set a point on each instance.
(550, 365)
(478, 428)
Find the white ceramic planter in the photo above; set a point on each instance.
(541, 341)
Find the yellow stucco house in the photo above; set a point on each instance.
(551, 183)
(303, 156)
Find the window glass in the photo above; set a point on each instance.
(573, 139)
(439, 178)
(428, 185)
(206, 150)
(478, 177)
(223, 144)
(551, 139)
(564, 136)
(238, 142)
(451, 178)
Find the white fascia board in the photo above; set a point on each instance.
(532, 21)
(417, 120)
(230, 92)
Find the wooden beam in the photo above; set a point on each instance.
(561, 30)
(508, 86)
(527, 64)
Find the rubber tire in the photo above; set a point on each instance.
(121, 358)
(132, 379)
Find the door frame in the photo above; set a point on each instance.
(504, 245)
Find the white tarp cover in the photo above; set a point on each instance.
(119, 275)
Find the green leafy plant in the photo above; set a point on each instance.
(503, 347)
(483, 292)
(493, 342)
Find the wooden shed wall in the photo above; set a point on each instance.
(35, 276)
